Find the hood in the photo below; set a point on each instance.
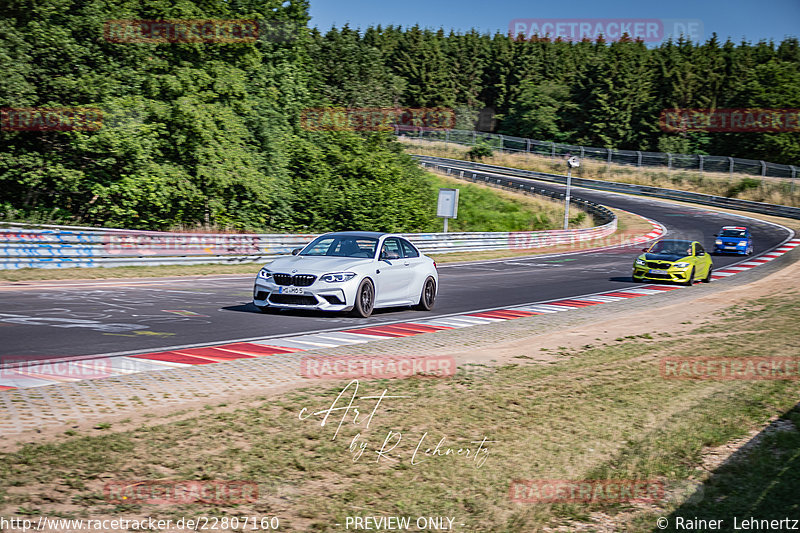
(315, 264)
(672, 258)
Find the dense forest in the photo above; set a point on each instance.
(209, 133)
(608, 95)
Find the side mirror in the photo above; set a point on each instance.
(296, 251)
(645, 249)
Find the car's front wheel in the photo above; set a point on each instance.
(428, 296)
(365, 299)
(707, 279)
(690, 280)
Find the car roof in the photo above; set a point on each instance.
(677, 240)
(370, 234)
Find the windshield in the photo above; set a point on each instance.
(342, 246)
(733, 233)
(672, 248)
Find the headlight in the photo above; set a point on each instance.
(718, 241)
(338, 277)
(641, 262)
(742, 243)
(681, 265)
(264, 274)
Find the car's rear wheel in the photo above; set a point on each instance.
(690, 280)
(707, 279)
(365, 299)
(428, 296)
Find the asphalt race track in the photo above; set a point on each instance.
(60, 319)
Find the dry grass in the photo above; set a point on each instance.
(598, 412)
(770, 190)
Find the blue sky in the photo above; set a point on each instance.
(752, 20)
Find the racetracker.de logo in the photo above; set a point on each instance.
(161, 491)
(50, 119)
(376, 118)
(730, 368)
(648, 30)
(214, 31)
(586, 491)
(12, 367)
(377, 367)
(761, 120)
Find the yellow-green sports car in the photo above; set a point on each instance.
(674, 260)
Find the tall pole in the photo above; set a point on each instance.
(566, 198)
(445, 224)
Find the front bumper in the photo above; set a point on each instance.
(319, 295)
(740, 250)
(678, 275)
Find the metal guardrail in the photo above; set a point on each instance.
(657, 192)
(701, 163)
(63, 247)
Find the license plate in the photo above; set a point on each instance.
(290, 290)
(731, 247)
(662, 272)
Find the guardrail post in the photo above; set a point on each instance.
(502, 143)
(701, 163)
(474, 137)
(763, 171)
(609, 155)
(669, 161)
(730, 175)
(639, 162)
(552, 149)
(447, 136)
(794, 176)
(581, 152)
(527, 145)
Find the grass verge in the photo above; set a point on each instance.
(485, 208)
(599, 412)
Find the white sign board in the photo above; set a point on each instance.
(574, 162)
(448, 203)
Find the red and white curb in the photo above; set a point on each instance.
(48, 373)
(756, 261)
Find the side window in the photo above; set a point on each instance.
(698, 250)
(408, 249)
(390, 250)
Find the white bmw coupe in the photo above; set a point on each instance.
(354, 271)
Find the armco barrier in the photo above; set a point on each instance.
(65, 247)
(24, 248)
(458, 165)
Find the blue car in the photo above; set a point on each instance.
(733, 240)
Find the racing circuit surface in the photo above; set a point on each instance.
(61, 319)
